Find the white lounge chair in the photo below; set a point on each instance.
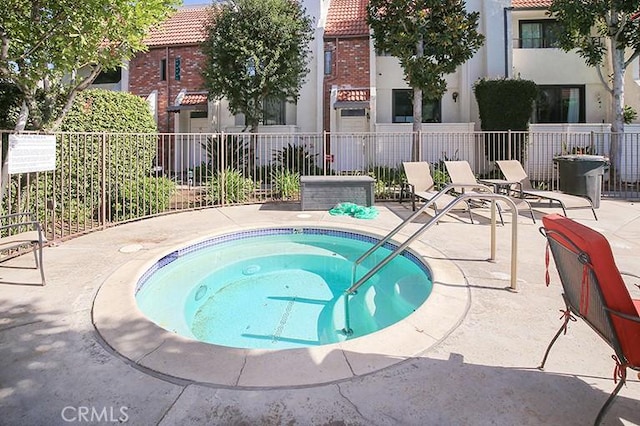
(422, 187)
(514, 172)
(460, 173)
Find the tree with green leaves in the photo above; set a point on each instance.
(256, 51)
(431, 38)
(51, 50)
(584, 26)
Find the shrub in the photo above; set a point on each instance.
(232, 184)
(505, 104)
(142, 197)
(297, 159)
(286, 183)
(228, 151)
(387, 179)
(98, 110)
(629, 114)
(128, 155)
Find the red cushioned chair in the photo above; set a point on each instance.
(593, 290)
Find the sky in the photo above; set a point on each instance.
(194, 2)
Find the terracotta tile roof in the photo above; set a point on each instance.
(531, 4)
(189, 101)
(194, 99)
(347, 18)
(185, 26)
(353, 95)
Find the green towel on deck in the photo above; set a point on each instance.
(354, 210)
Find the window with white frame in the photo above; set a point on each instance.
(560, 104)
(402, 107)
(539, 34)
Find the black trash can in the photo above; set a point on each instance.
(581, 174)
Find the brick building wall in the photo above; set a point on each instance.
(145, 77)
(350, 68)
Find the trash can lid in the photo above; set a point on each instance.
(581, 157)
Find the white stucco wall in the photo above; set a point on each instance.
(307, 116)
(554, 66)
(489, 61)
(390, 76)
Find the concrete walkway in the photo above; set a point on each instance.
(55, 368)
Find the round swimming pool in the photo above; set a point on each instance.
(280, 288)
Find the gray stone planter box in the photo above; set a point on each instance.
(324, 192)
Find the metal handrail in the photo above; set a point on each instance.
(488, 196)
(410, 219)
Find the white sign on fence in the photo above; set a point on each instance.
(31, 153)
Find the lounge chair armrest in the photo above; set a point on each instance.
(517, 188)
(623, 315)
(629, 274)
(406, 187)
(35, 224)
(411, 187)
(471, 186)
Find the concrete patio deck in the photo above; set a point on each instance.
(55, 368)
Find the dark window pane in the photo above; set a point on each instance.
(360, 112)
(560, 104)
(539, 34)
(177, 68)
(328, 62)
(273, 112)
(198, 114)
(402, 108)
(109, 76)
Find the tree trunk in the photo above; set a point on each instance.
(4, 173)
(86, 82)
(417, 124)
(617, 124)
(417, 111)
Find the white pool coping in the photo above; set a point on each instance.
(132, 335)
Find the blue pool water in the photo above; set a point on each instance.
(279, 288)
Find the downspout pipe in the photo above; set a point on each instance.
(507, 47)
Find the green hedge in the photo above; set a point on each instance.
(128, 146)
(505, 104)
(98, 110)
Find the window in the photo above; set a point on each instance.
(273, 112)
(163, 69)
(109, 76)
(539, 34)
(328, 62)
(177, 68)
(198, 114)
(359, 112)
(559, 104)
(402, 108)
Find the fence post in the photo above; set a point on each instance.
(325, 156)
(509, 153)
(103, 181)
